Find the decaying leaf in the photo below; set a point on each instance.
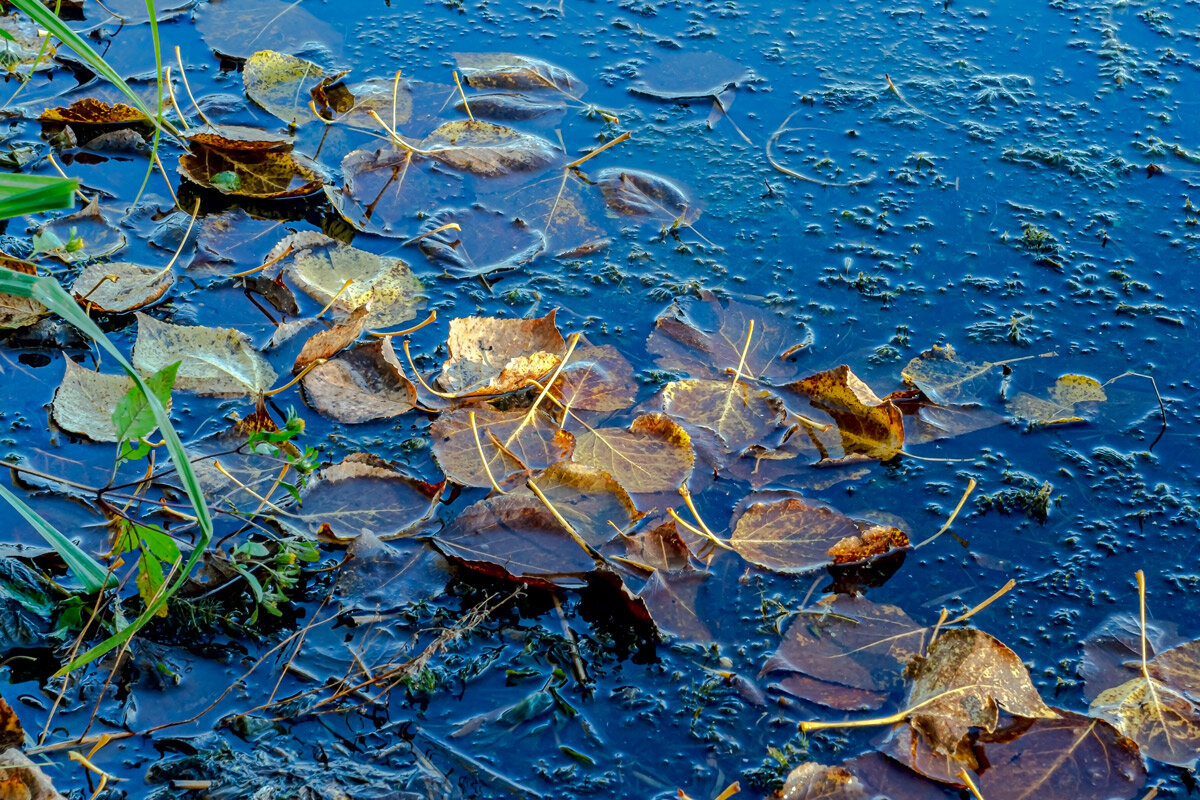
(944, 379)
(1067, 758)
(18, 312)
(84, 401)
(21, 779)
(486, 242)
(327, 343)
(213, 361)
(321, 266)
(508, 442)
(11, 732)
(352, 104)
(871, 776)
(660, 548)
(492, 356)
(361, 493)
(488, 150)
(511, 106)
(962, 682)
(591, 500)
(561, 211)
(521, 73)
(814, 781)
(671, 600)
(634, 193)
(689, 75)
(89, 111)
(707, 338)
(237, 139)
(383, 187)
(653, 455)
(786, 533)
(1068, 392)
(120, 287)
(270, 174)
(846, 642)
(740, 414)
(360, 385)
(85, 235)
(865, 424)
(596, 379)
(280, 83)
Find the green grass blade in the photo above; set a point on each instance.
(90, 573)
(29, 194)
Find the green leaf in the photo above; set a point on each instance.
(90, 573)
(159, 543)
(132, 416)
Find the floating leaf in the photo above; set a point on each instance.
(660, 548)
(560, 210)
(671, 600)
(488, 150)
(634, 193)
(383, 189)
(237, 139)
(653, 455)
(352, 104)
(280, 83)
(596, 379)
(787, 533)
(385, 575)
(120, 287)
(707, 338)
(511, 71)
(962, 682)
(510, 107)
(84, 401)
(813, 781)
(508, 442)
(20, 49)
(90, 111)
(738, 413)
(870, 776)
(943, 378)
(321, 266)
(1068, 392)
(486, 242)
(866, 425)
(240, 28)
(590, 499)
(689, 75)
(926, 421)
(22, 779)
(270, 174)
(1060, 759)
(17, 311)
(213, 361)
(11, 732)
(360, 385)
(846, 642)
(361, 493)
(492, 356)
(85, 235)
(327, 343)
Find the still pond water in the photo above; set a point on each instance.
(1010, 179)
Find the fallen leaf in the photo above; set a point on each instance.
(331, 341)
(83, 403)
(596, 379)
(813, 781)
(280, 83)
(872, 776)
(237, 139)
(671, 601)
(739, 414)
(11, 732)
(351, 104)
(360, 385)
(18, 312)
(89, 111)
(707, 338)
(240, 28)
(1060, 759)
(22, 51)
(83, 236)
(689, 75)
(384, 575)
(1068, 392)
(653, 455)
(660, 548)
(560, 211)
(926, 421)
(24, 780)
(511, 71)
(595, 504)
(962, 682)
(270, 174)
(945, 379)
(361, 493)
(488, 150)
(492, 356)
(487, 242)
(510, 106)
(634, 193)
(787, 533)
(213, 361)
(865, 424)
(320, 267)
(119, 287)
(508, 443)
(846, 641)
(382, 188)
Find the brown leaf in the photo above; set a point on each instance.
(21, 779)
(786, 533)
(488, 150)
(492, 356)
(456, 449)
(325, 344)
(270, 174)
(18, 312)
(89, 111)
(1068, 392)
(120, 287)
(660, 548)
(361, 493)
(590, 499)
(847, 641)
(351, 104)
(671, 600)
(865, 424)
(511, 71)
(360, 385)
(962, 682)
(237, 139)
(11, 732)
(813, 781)
(654, 455)
(560, 210)
(596, 379)
(739, 414)
(926, 421)
(706, 339)
(634, 193)
(1061, 759)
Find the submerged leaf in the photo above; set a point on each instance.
(689, 75)
(360, 385)
(488, 150)
(213, 361)
(240, 28)
(511, 71)
(653, 455)
(21, 48)
(943, 378)
(87, 234)
(634, 193)
(1068, 392)
(16, 311)
(352, 104)
(384, 187)
(486, 242)
(596, 379)
(280, 83)
(492, 356)
(671, 601)
(739, 414)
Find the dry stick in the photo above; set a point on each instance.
(316, 363)
(461, 93)
(576, 659)
(286, 252)
(482, 457)
(1162, 408)
(299, 644)
(428, 320)
(599, 150)
(725, 112)
(782, 129)
(395, 137)
(262, 501)
(449, 226)
(188, 88)
(1157, 704)
(953, 514)
(974, 790)
(529, 415)
(59, 170)
(891, 719)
